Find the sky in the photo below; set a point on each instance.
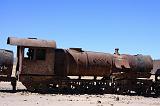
(133, 26)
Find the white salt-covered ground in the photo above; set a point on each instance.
(23, 98)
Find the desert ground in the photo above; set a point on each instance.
(25, 98)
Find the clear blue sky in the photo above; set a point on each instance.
(95, 25)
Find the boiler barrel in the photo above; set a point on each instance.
(85, 63)
(141, 63)
(76, 62)
(136, 66)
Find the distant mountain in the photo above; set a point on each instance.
(156, 65)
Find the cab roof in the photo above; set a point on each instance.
(31, 42)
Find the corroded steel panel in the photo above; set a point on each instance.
(136, 66)
(121, 62)
(89, 63)
(77, 62)
(60, 62)
(37, 66)
(6, 62)
(138, 63)
(31, 42)
(99, 63)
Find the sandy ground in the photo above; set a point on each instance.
(24, 98)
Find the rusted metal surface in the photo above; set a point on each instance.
(84, 63)
(60, 62)
(31, 42)
(76, 62)
(37, 70)
(141, 63)
(120, 62)
(134, 66)
(138, 63)
(38, 66)
(6, 62)
(43, 65)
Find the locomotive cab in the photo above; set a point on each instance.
(35, 60)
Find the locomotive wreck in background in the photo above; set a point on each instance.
(6, 62)
(6, 65)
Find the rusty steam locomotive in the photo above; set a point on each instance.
(41, 66)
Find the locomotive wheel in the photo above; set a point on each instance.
(36, 87)
(29, 86)
(109, 90)
(157, 89)
(120, 90)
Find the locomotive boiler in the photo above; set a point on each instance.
(76, 62)
(41, 65)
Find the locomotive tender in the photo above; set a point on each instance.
(42, 66)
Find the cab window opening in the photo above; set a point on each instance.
(40, 54)
(34, 54)
(29, 53)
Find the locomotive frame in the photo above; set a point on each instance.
(43, 67)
